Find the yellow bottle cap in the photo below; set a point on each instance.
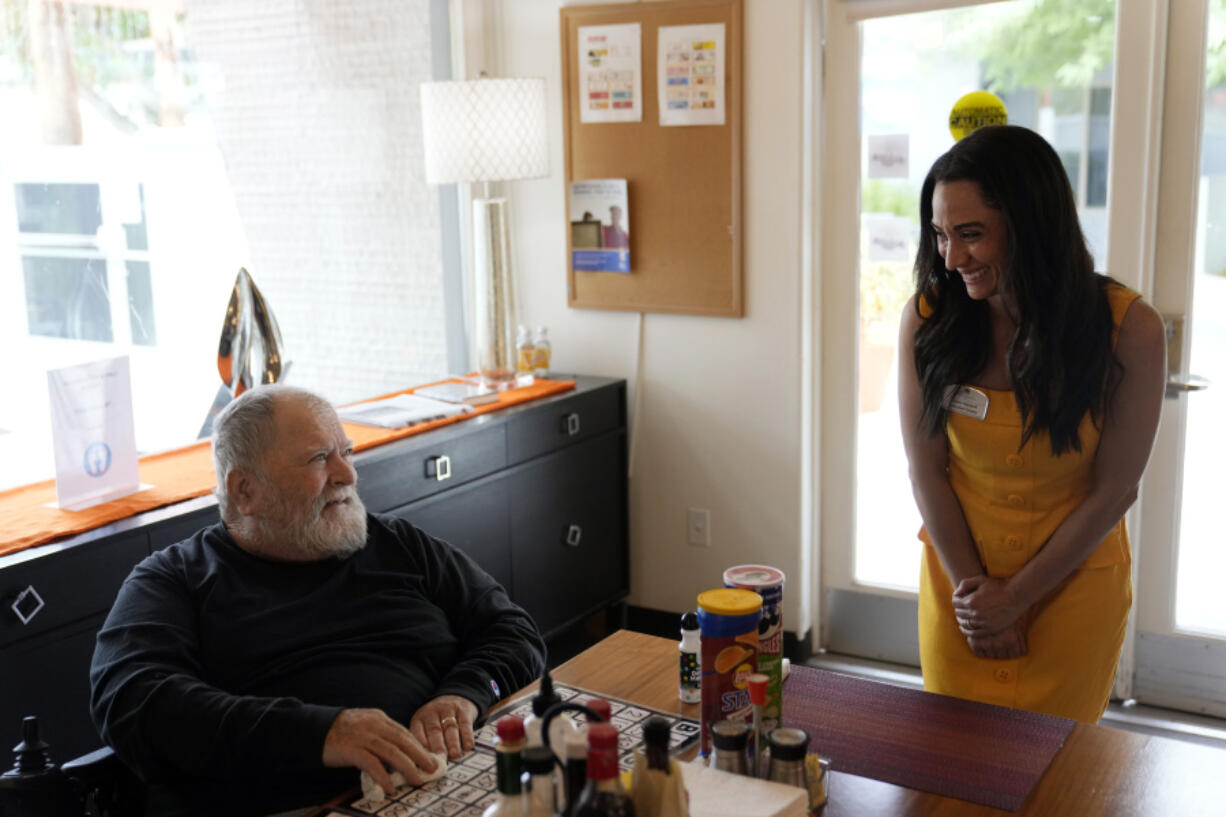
(730, 601)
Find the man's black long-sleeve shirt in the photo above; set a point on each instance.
(218, 674)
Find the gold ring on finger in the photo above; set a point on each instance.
(450, 719)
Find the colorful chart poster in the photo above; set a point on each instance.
(599, 226)
(690, 65)
(610, 73)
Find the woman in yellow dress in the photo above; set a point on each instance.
(1029, 390)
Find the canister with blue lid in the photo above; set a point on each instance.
(728, 619)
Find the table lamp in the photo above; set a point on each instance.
(487, 130)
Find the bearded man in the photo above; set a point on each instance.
(253, 667)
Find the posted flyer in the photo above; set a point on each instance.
(610, 73)
(690, 74)
(600, 226)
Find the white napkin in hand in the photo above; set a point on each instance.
(373, 792)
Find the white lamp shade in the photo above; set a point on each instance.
(484, 130)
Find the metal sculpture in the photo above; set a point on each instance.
(249, 331)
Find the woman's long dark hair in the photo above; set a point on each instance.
(1060, 361)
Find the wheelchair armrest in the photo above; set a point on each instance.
(100, 764)
(111, 789)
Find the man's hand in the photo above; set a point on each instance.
(371, 741)
(445, 724)
(985, 606)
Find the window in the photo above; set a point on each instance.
(153, 147)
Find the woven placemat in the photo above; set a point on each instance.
(948, 746)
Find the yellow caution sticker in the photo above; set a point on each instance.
(974, 110)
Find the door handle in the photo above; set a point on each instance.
(1178, 384)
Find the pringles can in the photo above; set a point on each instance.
(767, 582)
(728, 621)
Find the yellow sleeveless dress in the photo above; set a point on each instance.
(1013, 501)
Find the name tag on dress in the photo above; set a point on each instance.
(967, 401)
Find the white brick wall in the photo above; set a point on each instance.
(318, 118)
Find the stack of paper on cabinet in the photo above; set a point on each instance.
(400, 410)
(454, 391)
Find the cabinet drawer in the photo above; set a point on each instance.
(72, 584)
(473, 519)
(50, 678)
(422, 467)
(562, 422)
(568, 532)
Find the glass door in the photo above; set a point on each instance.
(1180, 649)
(1143, 138)
(893, 71)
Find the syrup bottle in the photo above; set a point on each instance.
(509, 766)
(604, 795)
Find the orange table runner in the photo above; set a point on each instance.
(186, 473)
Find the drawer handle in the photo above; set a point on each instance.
(439, 467)
(23, 602)
(573, 534)
(570, 424)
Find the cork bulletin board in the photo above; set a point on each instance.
(683, 183)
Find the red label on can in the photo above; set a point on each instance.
(727, 663)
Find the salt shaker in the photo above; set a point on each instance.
(730, 742)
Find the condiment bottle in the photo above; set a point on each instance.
(729, 741)
(656, 791)
(690, 685)
(601, 707)
(508, 766)
(541, 702)
(787, 763)
(537, 782)
(525, 351)
(576, 752)
(604, 795)
(542, 351)
(575, 773)
(757, 683)
(655, 743)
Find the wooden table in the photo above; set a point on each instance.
(1099, 771)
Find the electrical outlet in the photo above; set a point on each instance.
(698, 527)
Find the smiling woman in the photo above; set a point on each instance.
(1029, 394)
(971, 236)
(209, 136)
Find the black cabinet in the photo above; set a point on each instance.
(474, 519)
(535, 494)
(568, 529)
(49, 677)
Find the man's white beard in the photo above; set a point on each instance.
(300, 533)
